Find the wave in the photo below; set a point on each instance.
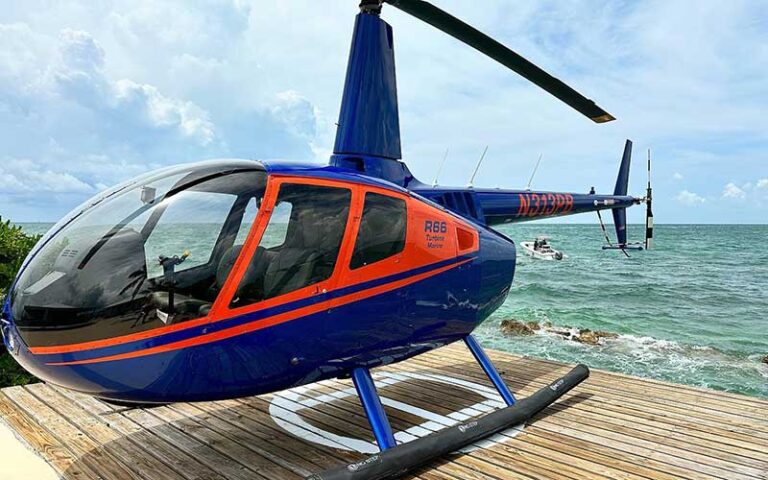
(633, 344)
(645, 356)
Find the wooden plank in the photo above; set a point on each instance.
(612, 426)
(332, 415)
(40, 440)
(255, 440)
(239, 451)
(753, 411)
(752, 448)
(229, 468)
(532, 367)
(645, 401)
(542, 462)
(105, 438)
(310, 456)
(656, 385)
(185, 465)
(591, 467)
(94, 460)
(595, 414)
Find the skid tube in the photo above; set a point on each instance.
(392, 462)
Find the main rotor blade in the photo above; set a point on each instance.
(451, 25)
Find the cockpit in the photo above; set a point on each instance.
(151, 252)
(163, 249)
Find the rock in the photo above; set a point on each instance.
(591, 337)
(587, 336)
(765, 359)
(533, 326)
(604, 334)
(513, 327)
(566, 333)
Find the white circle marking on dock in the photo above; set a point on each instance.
(286, 406)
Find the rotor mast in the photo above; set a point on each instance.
(369, 123)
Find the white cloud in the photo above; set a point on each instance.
(163, 112)
(762, 183)
(690, 199)
(24, 176)
(80, 51)
(204, 79)
(733, 191)
(82, 78)
(678, 176)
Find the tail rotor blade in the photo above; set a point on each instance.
(648, 208)
(463, 32)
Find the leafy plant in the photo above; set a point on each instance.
(14, 247)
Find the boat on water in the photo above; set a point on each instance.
(540, 248)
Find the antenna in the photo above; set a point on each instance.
(440, 168)
(530, 180)
(477, 167)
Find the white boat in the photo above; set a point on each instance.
(540, 248)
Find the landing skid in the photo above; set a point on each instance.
(395, 460)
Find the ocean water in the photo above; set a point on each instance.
(693, 310)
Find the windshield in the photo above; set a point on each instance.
(151, 252)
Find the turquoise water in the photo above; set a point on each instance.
(692, 310)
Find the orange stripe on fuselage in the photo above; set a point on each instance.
(266, 322)
(411, 258)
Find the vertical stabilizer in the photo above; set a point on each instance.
(622, 185)
(622, 181)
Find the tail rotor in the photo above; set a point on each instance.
(648, 209)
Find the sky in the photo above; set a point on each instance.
(95, 92)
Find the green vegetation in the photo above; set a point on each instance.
(14, 247)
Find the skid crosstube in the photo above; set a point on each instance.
(396, 461)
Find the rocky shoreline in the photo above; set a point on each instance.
(579, 335)
(585, 336)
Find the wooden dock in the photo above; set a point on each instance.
(611, 426)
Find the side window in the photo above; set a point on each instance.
(277, 228)
(191, 222)
(382, 230)
(249, 215)
(300, 244)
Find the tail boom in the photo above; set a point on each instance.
(511, 206)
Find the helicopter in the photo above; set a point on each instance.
(230, 278)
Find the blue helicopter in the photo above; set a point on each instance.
(231, 278)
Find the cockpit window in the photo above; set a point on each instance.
(191, 221)
(277, 229)
(152, 253)
(300, 245)
(249, 216)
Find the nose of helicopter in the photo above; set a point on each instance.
(16, 347)
(13, 343)
(5, 328)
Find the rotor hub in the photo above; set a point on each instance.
(372, 7)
